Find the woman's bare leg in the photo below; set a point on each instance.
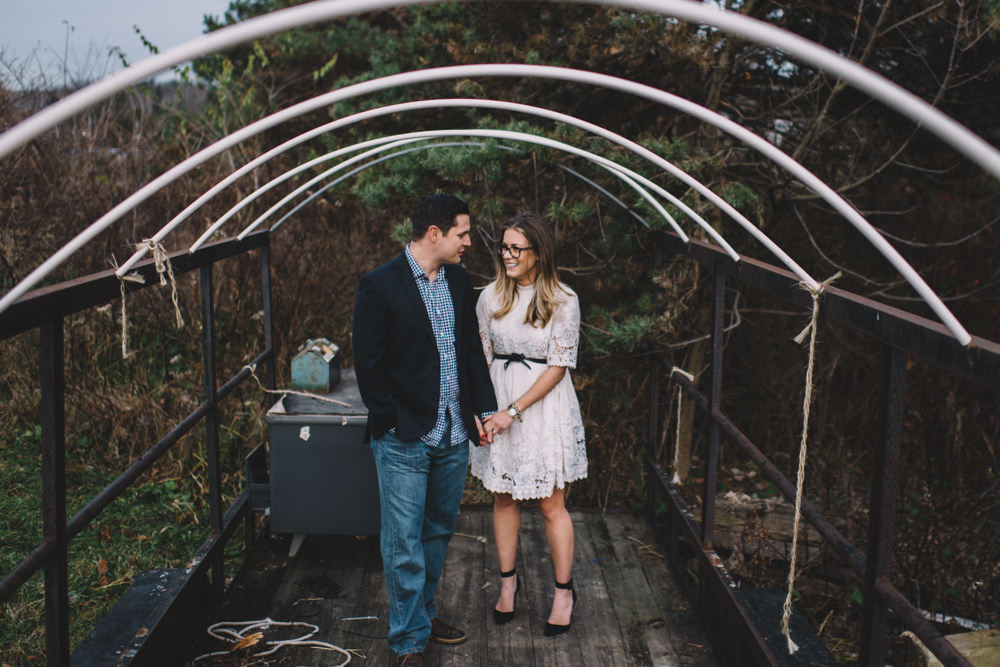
(559, 531)
(506, 524)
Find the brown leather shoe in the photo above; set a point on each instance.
(445, 633)
(411, 660)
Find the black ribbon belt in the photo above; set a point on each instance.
(516, 356)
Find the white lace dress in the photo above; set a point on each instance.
(548, 449)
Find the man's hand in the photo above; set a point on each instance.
(485, 437)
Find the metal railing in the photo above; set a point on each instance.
(900, 334)
(45, 309)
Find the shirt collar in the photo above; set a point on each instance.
(418, 271)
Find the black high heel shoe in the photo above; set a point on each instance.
(552, 629)
(501, 617)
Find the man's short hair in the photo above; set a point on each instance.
(439, 210)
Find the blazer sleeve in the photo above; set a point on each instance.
(371, 347)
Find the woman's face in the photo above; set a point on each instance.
(523, 268)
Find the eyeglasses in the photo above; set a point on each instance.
(515, 251)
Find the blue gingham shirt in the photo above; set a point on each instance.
(441, 310)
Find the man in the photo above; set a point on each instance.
(423, 377)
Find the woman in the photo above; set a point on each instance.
(529, 323)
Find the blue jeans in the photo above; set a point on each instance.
(420, 490)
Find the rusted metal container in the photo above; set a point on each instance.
(316, 367)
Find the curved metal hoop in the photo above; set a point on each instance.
(473, 103)
(383, 145)
(445, 144)
(949, 130)
(876, 85)
(539, 71)
(625, 174)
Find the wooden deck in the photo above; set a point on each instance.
(629, 611)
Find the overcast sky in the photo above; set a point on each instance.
(39, 35)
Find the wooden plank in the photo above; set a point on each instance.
(557, 651)
(596, 626)
(638, 615)
(762, 527)
(460, 598)
(314, 587)
(981, 648)
(511, 644)
(348, 561)
(369, 639)
(686, 637)
(255, 585)
(629, 611)
(321, 588)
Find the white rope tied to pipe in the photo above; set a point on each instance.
(318, 397)
(677, 442)
(809, 330)
(161, 261)
(165, 270)
(227, 631)
(133, 278)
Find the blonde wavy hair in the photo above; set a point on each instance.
(546, 298)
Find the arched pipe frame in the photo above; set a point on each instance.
(736, 24)
(389, 143)
(445, 144)
(629, 176)
(540, 71)
(308, 200)
(497, 105)
(442, 144)
(374, 163)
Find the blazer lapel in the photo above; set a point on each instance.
(409, 286)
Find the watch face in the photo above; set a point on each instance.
(512, 412)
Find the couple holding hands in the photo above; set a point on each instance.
(433, 367)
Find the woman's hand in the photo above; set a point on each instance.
(497, 423)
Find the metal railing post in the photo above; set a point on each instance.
(715, 401)
(211, 421)
(265, 291)
(882, 509)
(654, 403)
(654, 422)
(265, 283)
(54, 491)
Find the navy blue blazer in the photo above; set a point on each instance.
(396, 357)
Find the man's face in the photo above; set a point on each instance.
(452, 245)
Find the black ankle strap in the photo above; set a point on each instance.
(509, 573)
(567, 586)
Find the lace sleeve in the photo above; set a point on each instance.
(565, 337)
(484, 313)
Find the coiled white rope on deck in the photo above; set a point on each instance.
(226, 631)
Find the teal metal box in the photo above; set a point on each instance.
(316, 367)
